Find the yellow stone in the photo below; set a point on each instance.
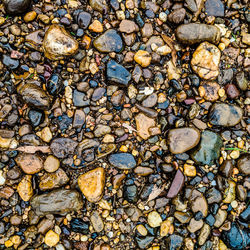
(2, 20)
(16, 240)
(235, 154)
(24, 188)
(51, 238)
(189, 170)
(246, 38)
(143, 58)
(230, 192)
(51, 164)
(96, 26)
(5, 142)
(222, 245)
(92, 184)
(221, 92)
(108, 138)
(142, 230)
(8, 243)
(30, 16)
(164, 229)
(45, 134)
(154, 219)
(124, 148)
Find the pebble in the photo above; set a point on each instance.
(226, 115)
(198, 203)
(154, 219)
(58, 43)
(189, 170)
(220, 217)
(92, 184)
(99, 5)
(194, 225)
(122, 161)
(177, 16)
(62, 147)
(243, 164)
(205, 61)
(176, 184)
(15, 7)
(60, 201)
(192, 33)
(84, 19)
(96, 26)
(209, 91)
(143, 124)
(142, 230)
(51, 164)
(182, 139)
(25, 189)
(51, 238)
(232, 91)
(128, 26)
(97, 222)
(204, 233)
(214, 8)
(143, 58)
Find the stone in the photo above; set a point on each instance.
(83, 19)
(227, 168)
(241, 80)
(53, 180)
(194, 225)
(45, 134)
(226, 115)
(96, 26)
(25, 189)
(143, 58)
(214, 8)
(147, 30)
(192, 33)
(62, 147)
(143, 124)
(128, 26)
(204, 233)
(130, 193)
(92, 184)
(220, 217)
(109, 41)
(174, 241)
(58, 43)
(141, 230)
(29, 163)
(205, 61)
(189, 170)
(208, 150)
(230, 192)
(34, 96)
(99, 5)
(51, 238)
(79, 119)
(55, 85)
(213, 195)
(144, 242)
(181, 140)
(60, 201)
(122, 161)
(79, 226)
(154, 219)
(117, 73)
(9, 62)
(232, 91)
(97, 222)
(182, 217)
(177, 16)
(51, 164)
(198, 203)
(243, 164)
(102, 130)
(80, 99)
(15, 7)
(176, 184)
(246, 38)
(209, 91)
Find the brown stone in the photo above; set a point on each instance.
(209, 91)
(143, 123)
(25, 189)
(176, 184)
(128, 26)
(232, 91)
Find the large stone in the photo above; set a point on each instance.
(59, 201)
(122, 160)
(205, 61)
(15, 7)
(143, 123)
(29, 163)
(117, 73)
(192, 33)
(208, 149)
(226, 115)
(109, 41)
(58, 43)
(62, 147)
(181, 140)
(92, 184)
(34, 96)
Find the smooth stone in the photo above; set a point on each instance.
(51, 164)
(241, 192)
(177, 16)
(154, 219)
(80, 99)
(230, 192)
(182, 217)
(245, 215)
(226, 168)
(231, 91)
(209, 91)
(51, 238)
(243, 164)
(55, 85)
(101, 130)
(99, 5)
(198, 203)
(226, 115)
(196, 33)
(208, 150)
(205, 61)
(214, 8)
(9, 62)
(36, 117)
(165, 227)
(62, 147)
(128, 26)
(29, 163)
(144, 242)
(58, 43)
(241, 80)
(122, 161)
(34, 96)
(15, 7)
(79, 119)
(117, 73)
(143, 171)
(147, 111)
(53, 180)
(92, 184)
(79, 226)
(143, 123)
(194, 225)
(83, 19)
(220, 217)
(181, 140)
(97, 222)
(143, 58)
(150, 101)
(25, 189)
(236, 238)
(204, 233)
(109, 41)
(60, 201)
(176, 184)
(130, 193)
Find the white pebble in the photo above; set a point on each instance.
(60, 247)
(163, 16)
(2, 179)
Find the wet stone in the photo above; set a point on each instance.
(130, 193)
(144, 242)
(62, 147)
(227, 168)
(176, 184)
(97, 222)
(15, 7)
(226, 115)
(177, 16)
(109, 41)
(196, 33)
(55, 85)
(99, 5)
(174, 241)
(208, 149)
(25, 189)
(143, 124)
(83, 19)
(122, 160)
(79, 226)
(243, 164)
(214, 8)
(57, 202)
(209, 90)
(80, 99)
(231, 91)
(10, 63)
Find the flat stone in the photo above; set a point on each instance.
(117, 73)
(176, 184)
(122, 161)
(143, 123)
(128, 26)
(208, 149)
(205, 61)
(177, 16)
(214, 8)
(194, 225)
(97, 222)
(192, 33)
(62, 147)
(25, 189)
(29, 163)
(181, 140)
(226, 115)
(243, 164)
(182, 217)
(92, 184)
(220, 217)
(80, 99)
(58, 43)
(109, 41)
(60, 201)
